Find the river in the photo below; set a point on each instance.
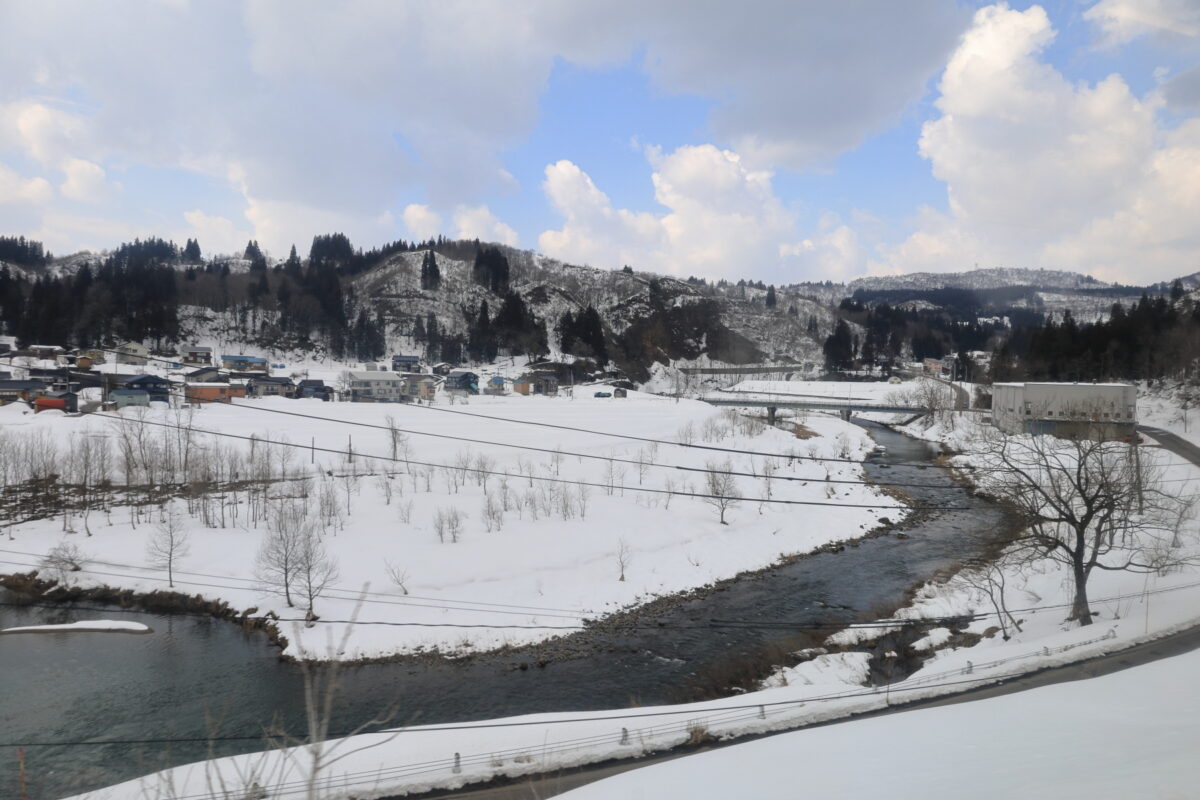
(78, 687)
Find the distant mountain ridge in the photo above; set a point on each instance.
(987, 278)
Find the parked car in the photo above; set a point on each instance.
(602, 394)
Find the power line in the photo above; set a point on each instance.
(629, 437)
(544, 478)
(597, 457)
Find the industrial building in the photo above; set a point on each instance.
(1074, 410)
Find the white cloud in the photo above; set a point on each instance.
(832, 252)
(15, 189)
(421, 221)
(723, 219)
(341, 113)
(47, 134)
(216, 234)
(478, 222)
(1122, 21)
(1038, 168)
(85, 181)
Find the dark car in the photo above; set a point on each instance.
(602, 394)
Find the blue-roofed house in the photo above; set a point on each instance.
(244, 363)
(462, 380)
(155, 386)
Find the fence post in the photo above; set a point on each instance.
(457, 764)
(624, 735)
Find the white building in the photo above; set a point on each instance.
(377, 387)
(1065, 409)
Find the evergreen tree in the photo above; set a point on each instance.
(770, 302)
(191, 252)
(293, 266)
(839, 348)
(431, 276)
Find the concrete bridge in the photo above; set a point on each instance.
(846, 407)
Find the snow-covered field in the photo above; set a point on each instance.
(533, 548)
(1005, 733)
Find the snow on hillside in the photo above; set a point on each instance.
(988, 278)
(550, 552)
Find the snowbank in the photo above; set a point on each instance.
(108, 625)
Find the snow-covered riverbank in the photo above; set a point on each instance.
(534, 553)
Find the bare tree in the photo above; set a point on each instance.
(1088, 504)
(399, 576)
(168, 543)
(63, 559)
(721, 488)
(624, 557)
(989, 579)
(278, 559)
(315, 567)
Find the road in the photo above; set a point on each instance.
(552, 784)
(1173, 443)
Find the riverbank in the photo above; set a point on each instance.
(521, 534)
(824, 686)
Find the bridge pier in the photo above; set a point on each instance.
(845, 414)
(770, 415)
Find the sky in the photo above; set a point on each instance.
(775, 140)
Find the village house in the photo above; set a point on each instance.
(494, 386)
(25, 390)
(196, 356)
(418, 386)
(406, 363)
(268, 386)
(157, 387)
(128, 397)
(536, 383)
(442, 368)
(8, 344)
(376, 387)
(206, 375)
(462, 380)
(244, 363)
(97, 356)
(133, 353)
(1087, 410)
(313, 389)
(213, 392)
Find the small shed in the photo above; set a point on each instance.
(523, 385)
(619, 392)
(63, 401)
(442, 368)
(494, 386)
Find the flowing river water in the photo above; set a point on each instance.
(74, 688)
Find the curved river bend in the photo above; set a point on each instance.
(80, 687)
